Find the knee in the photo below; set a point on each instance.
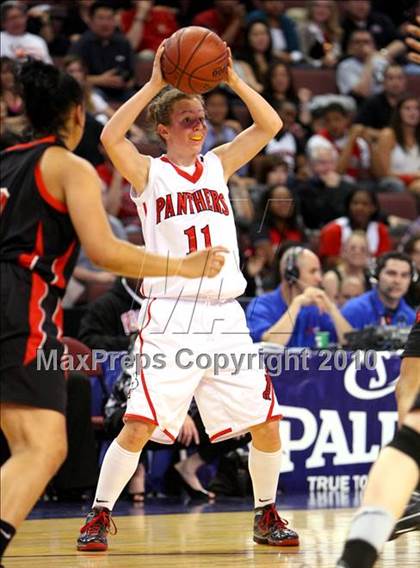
(266, 437)
(134, 435)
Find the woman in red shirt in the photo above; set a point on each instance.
(362, 212)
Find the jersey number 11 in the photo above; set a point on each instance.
(191, 233)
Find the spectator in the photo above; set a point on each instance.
(253, 62)
(225, 18)
(86, 272)
(10, 99)
(376, 111)
(77, 19)
(341, 291)
(106, 53)
(361, 73)
(146, 26)
(15, 41)
(47, 21)
(322, 196)
(355, 259)
(354, 265)
(320, 34)
(284, 37)
(412, 248)
(353, 150)
(289, 142)
(384, 305)
(279, 87)
(277, 222)
(350, 287)
(397, 153)
(111, 321)
(291, 314)
(359, 16)
(95, 104)
(362, 211)
(220, 128)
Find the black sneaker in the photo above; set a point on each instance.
(410, 520)
(270, 528)
(93, 534)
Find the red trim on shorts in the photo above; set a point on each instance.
(31, 144)
(145, 209)
(37, 335)
(169, 435)
(192, 178)
(28, 260)
(46, 196)
(221, 433)
(59, 265)
(139, 418)
(142, 376)
(270, 410)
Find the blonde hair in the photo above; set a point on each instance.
(332, 25)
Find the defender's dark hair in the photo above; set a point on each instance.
(48, 94)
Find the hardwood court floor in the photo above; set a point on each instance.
(196, 540)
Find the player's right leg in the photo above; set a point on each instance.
(38, 446)
(120, 463)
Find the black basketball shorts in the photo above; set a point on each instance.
(30, 351)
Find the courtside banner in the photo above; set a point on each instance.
(339, 409)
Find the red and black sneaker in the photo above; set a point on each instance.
(93, 534)
(270, 528)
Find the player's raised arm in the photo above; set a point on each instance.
(129, 162)
(83, 199)
(249, 142)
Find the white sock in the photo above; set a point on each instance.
(117, 469)
(264, 468)
(373, 525)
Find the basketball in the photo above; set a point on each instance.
(194, 60)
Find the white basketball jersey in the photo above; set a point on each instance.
(181, 213)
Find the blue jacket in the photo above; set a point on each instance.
(368, 309)
(264, 311)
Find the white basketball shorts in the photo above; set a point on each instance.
(201, 349)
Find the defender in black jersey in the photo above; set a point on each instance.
(392, 478)
(39, 248)
(50, 198)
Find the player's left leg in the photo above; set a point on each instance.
(264, 468)
(391, 481)
(38, 444)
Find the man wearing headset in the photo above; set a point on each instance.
(298, 308)
(384, 304)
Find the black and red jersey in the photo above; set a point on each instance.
(36, 231)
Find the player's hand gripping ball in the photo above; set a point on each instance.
(194, 60)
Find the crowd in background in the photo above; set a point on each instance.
(341, 179)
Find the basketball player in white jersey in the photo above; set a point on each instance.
(183, 202)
